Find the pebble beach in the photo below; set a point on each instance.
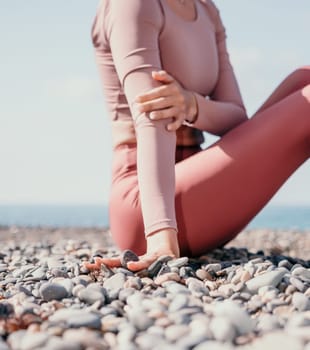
(254, 293)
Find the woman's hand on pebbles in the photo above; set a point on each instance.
(160, 243)
(169, 100)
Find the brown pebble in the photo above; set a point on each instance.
(284, 311)
(245, 276)
(170, 276)
(163, 322)
(204, 275)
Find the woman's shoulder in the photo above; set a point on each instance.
(125, 12)
(131, 6)
(211, 7)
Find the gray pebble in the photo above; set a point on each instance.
(92, 293)
(178, 262)
(176, 288)
(34, 340)
(213, 345)
(178, 302)
(52, 291)
(139, 319)
(298, 284)
(222, 329)
(128, 255)
(301, 302)
(272, 278)
(236, 315)
(56, 343)
(175, 332)
(267, 323)
(114, 284)
(76, 318)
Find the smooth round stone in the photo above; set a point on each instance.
(114, 284)
(53, 291)
(126, 293)
(170, 276)
(76, 318)
(235, 314)
(301, 302)
(158, 331)
(56, 343)
(267, 323)
(157, 265)
(15, 339)
(139, 319)
(280, 340)
(111, 323)
(91, 294)
(178, 302)
(39, 274)
(204, 275)
(190, 340)
(298, 284)
(147, 341)
(245, 276)
(298, 320)
(213, 267)
(285, 263)
(196, 287)
(84, 336)
(176, 288)
(89, 320)
(128, 255)
(301, 272)
(213, 345)
(135, 300)
(272, 278)
(126, 334)
(3, 345)
(83, 279)
(178, 262)
(67, 284)
(53, 262)
(222, 329)
(133, 282)
(107, 310)
(76, 289)
(200, 326)
(34, 340)
(175, 332)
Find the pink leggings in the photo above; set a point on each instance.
(220, 189)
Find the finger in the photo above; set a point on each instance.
(163, 76)
(142, 264)
(110, 262)
(175, 124)
(165, 113)
(157, 92)
(157, 104)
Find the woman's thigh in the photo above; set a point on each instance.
(220, 189)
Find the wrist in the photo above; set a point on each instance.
(192, 111)
(164, 241)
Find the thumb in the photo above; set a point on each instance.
(163, 76)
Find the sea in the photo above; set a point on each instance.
(284, 217)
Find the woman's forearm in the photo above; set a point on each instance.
(217, 117)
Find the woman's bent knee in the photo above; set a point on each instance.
(306, 93)
(301, 76)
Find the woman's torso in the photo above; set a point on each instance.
(188, 52)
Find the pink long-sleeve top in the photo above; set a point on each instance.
(134, 37)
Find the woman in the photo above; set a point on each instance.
(167, 77)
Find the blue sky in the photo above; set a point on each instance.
(55, 143)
